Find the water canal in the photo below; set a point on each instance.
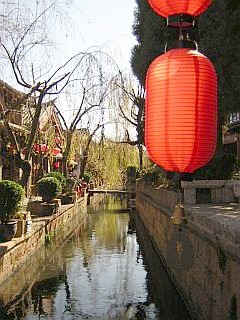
(105, 270)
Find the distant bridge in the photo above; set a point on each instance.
(111, 191)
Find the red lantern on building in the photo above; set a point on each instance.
(179, 10)
(58, 140)
(56, 151)
(44, 148)
(181, 110)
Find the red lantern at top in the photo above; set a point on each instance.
(174, 9)
(181, 110)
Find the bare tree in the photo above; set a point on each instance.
(19, 37)
(41, 82)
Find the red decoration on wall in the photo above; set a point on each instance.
(44, 148)
(58, 140)
(41, 148)
(56, 151)
(56, 165)
(168, 8)
(181, 110)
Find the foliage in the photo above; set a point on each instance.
(70, 186)
(87, 176)
(58, 175)
(220, 167)
(108, 162)
(129, 100)
(132, 172)
(156, 176)
(48, 188)
(236, 172)
(11, 195)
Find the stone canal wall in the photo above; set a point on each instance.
(203, 258)
(15, 253)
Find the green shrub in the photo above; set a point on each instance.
(220, 167)
(236, 172)
(132, 173)
(87, 176)
(70, 186)
(58, 175)
(156, 176)
(48, 188)
(11, 195)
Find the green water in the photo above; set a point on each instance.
(106, 269)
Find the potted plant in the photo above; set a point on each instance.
(59, 176)
(48, 188)
(11, 195)
(69, 191)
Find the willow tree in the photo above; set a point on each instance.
(90, 95)
(108, 161)
(128, 103)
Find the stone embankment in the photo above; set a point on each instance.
(15, 253)
(203, 256)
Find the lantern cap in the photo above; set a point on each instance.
(182, 42)
(184, 21)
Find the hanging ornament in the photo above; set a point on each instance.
(56, 151)
(181, 110)
(44, 148)
(58, 140)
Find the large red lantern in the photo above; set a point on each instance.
(179, 12)
(181, 110)
(168, 8)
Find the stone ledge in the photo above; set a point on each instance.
(221, 191)
(16, 252)
(207, 184)
(218, 221)
(5, 247)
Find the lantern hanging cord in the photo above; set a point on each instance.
(179, 190)
(184, 36)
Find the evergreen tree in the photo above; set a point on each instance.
(217, 32)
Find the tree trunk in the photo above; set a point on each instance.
(140, 152)
(83, 163)
(67, 151)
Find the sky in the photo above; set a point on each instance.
(106, 23)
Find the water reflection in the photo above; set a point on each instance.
(100, 272)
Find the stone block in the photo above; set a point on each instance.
(216, 195)
(190, 196)
(237, 188)
(227, 195)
